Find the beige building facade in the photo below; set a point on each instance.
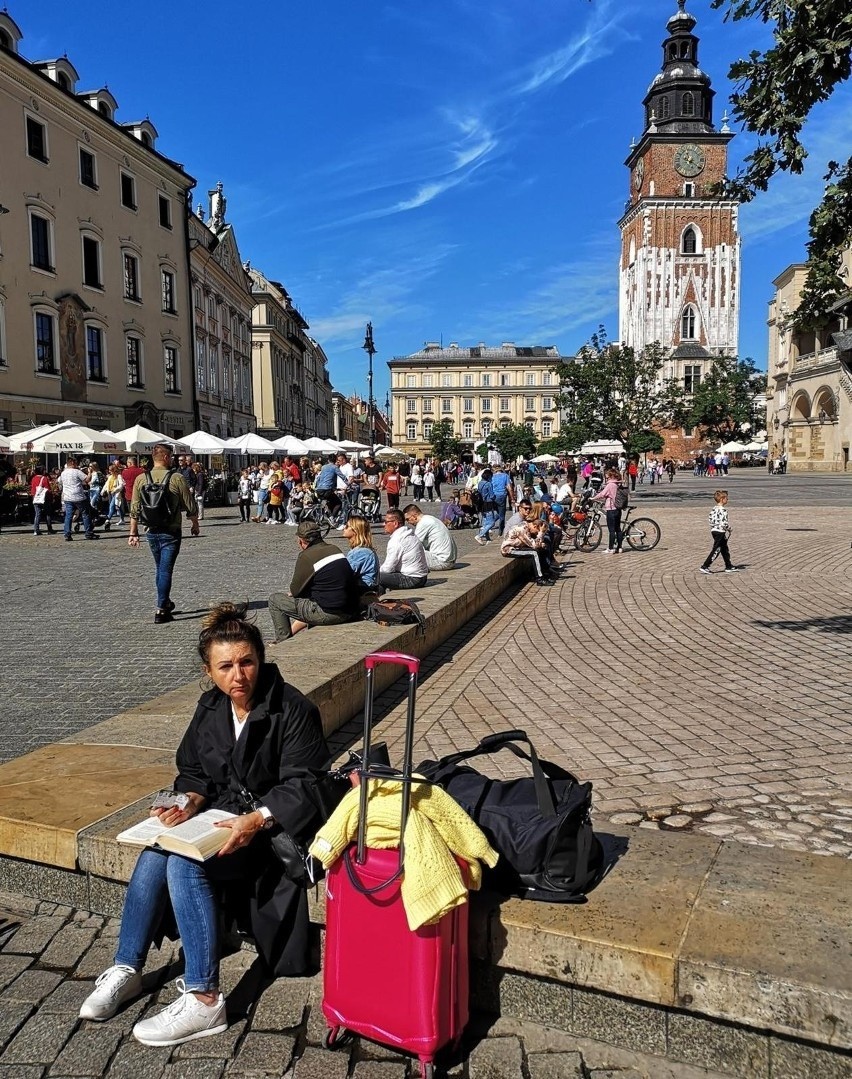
(292, 390)
(95, 313)
(809, 385)
(222, 304)
(478, 389)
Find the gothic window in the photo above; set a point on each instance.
(688, 103)
(687, 323)
(689, 241)
(684, 50)
(673, 51)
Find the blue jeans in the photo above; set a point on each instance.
(85, 510)
(489, 520)
(116, 506)
(165, 547)
(158, 878)
(41, 512)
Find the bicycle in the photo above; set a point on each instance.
(640, 534)
(321, 515)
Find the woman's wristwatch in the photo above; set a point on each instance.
(268, 819)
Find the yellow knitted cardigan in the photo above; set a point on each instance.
(437, 828)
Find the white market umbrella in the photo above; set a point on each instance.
(250, 443)
(320, 445)
(752, 447)
(389, 451)
(78, 439)
(352, 447)
(544, 459)
(139, 438)
(290, 445)
(732, 447)
(4, 442)
(203, 442)
(22, 439)
(603, 445)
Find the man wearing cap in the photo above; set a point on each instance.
(323, 591)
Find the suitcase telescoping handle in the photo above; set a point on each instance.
(412, 665)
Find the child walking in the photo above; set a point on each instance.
(720, 529)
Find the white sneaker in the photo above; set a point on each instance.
(609, 550)
(112, 989)
(183, 1021)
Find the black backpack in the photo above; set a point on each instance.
(621, 497)
(155, 502)
(540, 826)
(396, 612)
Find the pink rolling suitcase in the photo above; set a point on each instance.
(407, 989)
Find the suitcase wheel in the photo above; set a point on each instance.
(336, 1038)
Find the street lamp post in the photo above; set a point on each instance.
(370, 349)
(389, 418)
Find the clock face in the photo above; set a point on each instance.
(639, 173)
(689, 160)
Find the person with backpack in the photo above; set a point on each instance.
(613, 495)
(159, 497)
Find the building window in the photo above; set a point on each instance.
(546, 428)
(485, 405)
(505, 380)
(168, 280)
(689, 190)
(427, 404)
(486, 380)
(529, 404)
(546, 379)
(226, 376)
(688, 432)
(427, 381)
(165, 211)
(446, 380)
(687, 323)
(446, 404)
(505, 405)
(128, 191)
(689, 243)
(529, 424)
(547, 404)
(486, 428)
(427, 430)
(134, 363)
(40, 235)
(467, 429)
(104, 110)
(688, 103)
(88, 172)
(411, 380)
(467, 380)
(411, 431)
(45, 350)
(92, 263)
(199, 303)
(131, 278)
(505, 423)
(170, 369)
(691, 377)
(3, 361)
(214, 368)
(95, 369)
(530, 378)
(36, 140)
(200, 365)
(664, 108)
(467, 404)
(411, 404)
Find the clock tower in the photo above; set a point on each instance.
(680, 248)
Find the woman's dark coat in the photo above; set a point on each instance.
(282, 738)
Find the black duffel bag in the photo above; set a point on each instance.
(540, 826)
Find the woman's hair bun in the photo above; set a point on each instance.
(225, 612)
(229, 623)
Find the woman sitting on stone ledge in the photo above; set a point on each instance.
(251, 730)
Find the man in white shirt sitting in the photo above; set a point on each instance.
(405, 564)
(437, 540)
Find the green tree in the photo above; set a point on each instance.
(443, 442)
(646, 442)
(725, 401)
(614, 392)
(811, 55)
(514, 441)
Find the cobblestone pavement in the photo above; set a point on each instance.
(715, 703)
(48, 968)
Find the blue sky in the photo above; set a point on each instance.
(449, 171)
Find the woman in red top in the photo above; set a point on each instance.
(392, 484)
(42, 500)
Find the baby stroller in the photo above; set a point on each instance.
(369, 502)
(469, 509)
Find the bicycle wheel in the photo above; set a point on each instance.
(319, 518)
(588, 536)
(643, 534)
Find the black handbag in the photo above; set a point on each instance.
(540, 826)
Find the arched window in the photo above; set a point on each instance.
(104, 110)
(687, 323)
(673, 51)
(688, 103)
(62, 81)
(664, 107)
(684, 50)
(689, 241)
(5, 41)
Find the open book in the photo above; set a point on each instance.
(196, 838)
